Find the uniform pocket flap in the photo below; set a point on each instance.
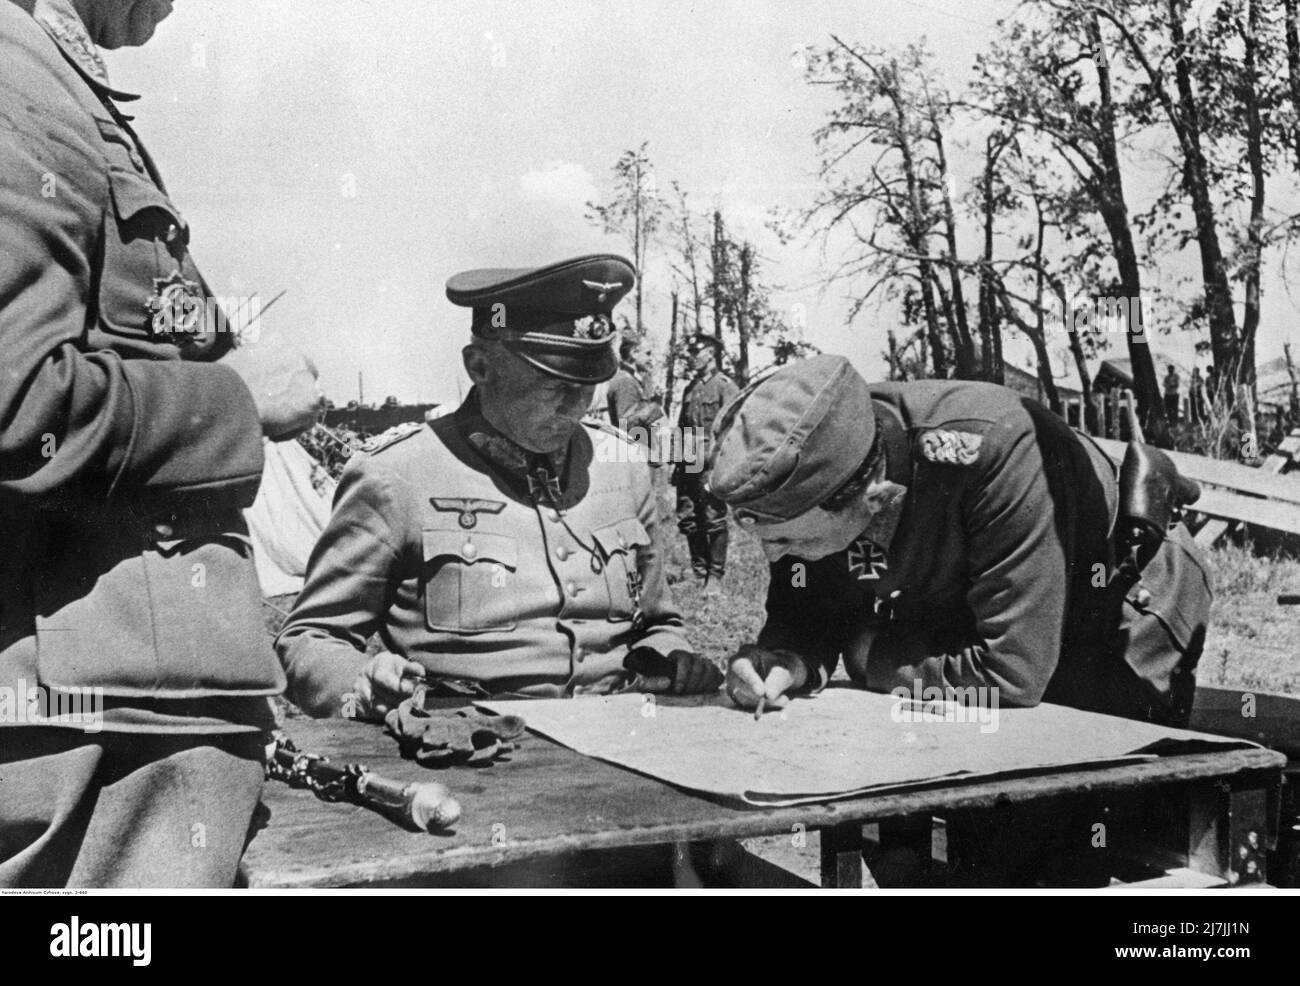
(624, 535)
(171, 546)
(1175, 589)
(133, 194)
(472, 547)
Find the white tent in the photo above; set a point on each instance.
(291, 509)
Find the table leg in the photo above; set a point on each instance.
(1231, 832)
(905, 853)
(841, 847)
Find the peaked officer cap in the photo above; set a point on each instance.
(556, 318)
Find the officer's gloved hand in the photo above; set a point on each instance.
(385, 681)
(680, 672)
(756, 672)
(451, 737)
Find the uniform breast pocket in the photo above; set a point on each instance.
(178, 619)
(620, 546)
(468, 581)
(143, 290)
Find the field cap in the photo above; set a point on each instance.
(790, 440)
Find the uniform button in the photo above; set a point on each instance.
(571, 587)
(579, 654)
(553, 515)
(622, 541)
(469, 550)
(562, 553)
(164, 530)
(1143, 596)
(172, 232)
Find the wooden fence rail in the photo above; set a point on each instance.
(1232, 493)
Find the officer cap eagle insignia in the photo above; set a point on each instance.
(601, 288)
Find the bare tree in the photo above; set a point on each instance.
(994, 197)
(686, 249)
(1160, 37)
(635, 211)
(880, 183)
(1037, 78)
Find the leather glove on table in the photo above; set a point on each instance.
(451, 737)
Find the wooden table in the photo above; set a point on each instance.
(548, 801)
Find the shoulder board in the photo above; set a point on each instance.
(949, 446)
(391, 437)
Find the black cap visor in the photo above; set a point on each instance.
(581, 361)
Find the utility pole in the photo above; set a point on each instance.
(742, 314)
(719, 258)
(637, 247)
(1295, 384)
(670, 375)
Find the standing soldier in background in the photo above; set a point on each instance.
(1172, 383)
(129, 442)
(624, 390)
(1196, 397)
(701, 516)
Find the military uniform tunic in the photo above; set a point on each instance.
(622, 394)
(988, 569)
(127, 451)
(701, 516)
(438, 544)
(126, 454)
(703, 400)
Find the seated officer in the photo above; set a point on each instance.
(950, 535)
(506, 548)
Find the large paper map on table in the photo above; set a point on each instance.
(837, 744)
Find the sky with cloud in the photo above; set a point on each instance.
(359, 152)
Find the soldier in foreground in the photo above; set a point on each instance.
(701, 516)
(129, 441)
(506, 548)
(952, 535)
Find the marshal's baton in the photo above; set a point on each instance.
(427, 805)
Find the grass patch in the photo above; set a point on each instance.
(1252, 643)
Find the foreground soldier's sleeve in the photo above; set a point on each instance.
(322, 645)
(664, 630)
(809, 609)
(1018, 576)
(87, 424)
